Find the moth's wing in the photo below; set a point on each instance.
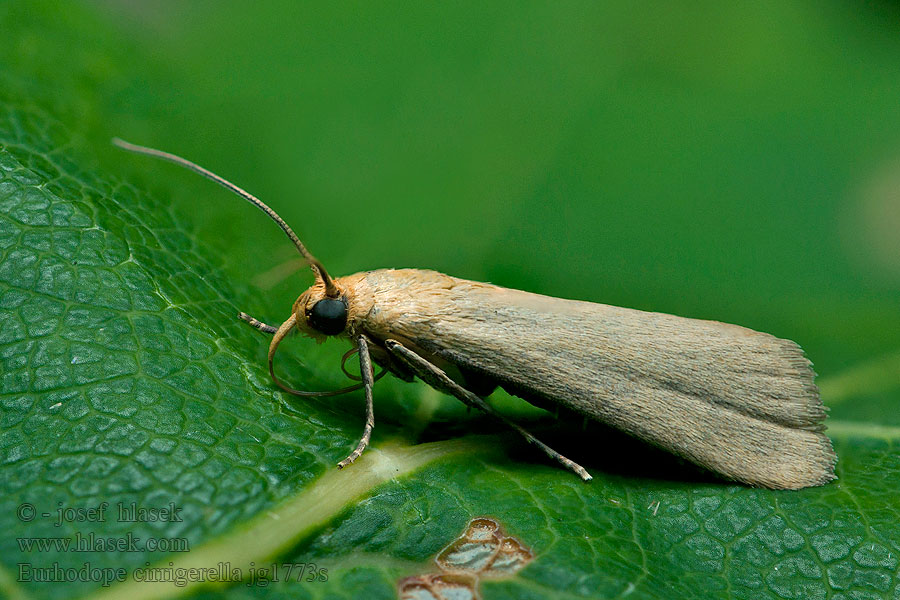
(739, 402)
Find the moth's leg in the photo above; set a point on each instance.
(365, 371)
(436, 378)
(257, 324)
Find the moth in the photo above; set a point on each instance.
(738, 402)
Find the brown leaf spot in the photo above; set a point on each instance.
(483, 550)
(438, 586)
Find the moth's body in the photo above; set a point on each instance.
(738, 402)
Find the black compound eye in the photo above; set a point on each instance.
(328, 316)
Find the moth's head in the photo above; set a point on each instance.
(320, 311)
(319, 315)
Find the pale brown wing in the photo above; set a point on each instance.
(739, 402)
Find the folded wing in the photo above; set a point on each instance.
(736, 401)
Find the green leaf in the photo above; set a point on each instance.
(125, 378)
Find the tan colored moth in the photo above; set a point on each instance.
(739, 402)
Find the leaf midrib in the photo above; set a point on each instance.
(266, 535)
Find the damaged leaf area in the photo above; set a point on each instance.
(482, 551)
(439, 587)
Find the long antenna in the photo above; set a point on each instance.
(330, 289)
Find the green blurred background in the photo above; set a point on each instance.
(738, 162)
